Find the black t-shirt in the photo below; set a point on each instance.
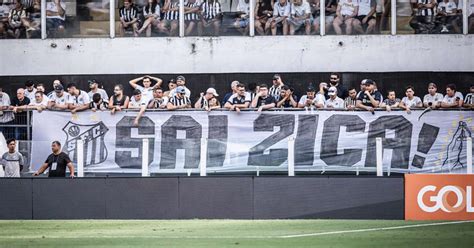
(365, 99)
(287, 103)
(20, 118)
(61, 160)
(264, 101)
(16, 102)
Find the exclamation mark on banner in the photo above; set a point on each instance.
(426, 139)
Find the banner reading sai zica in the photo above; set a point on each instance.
(247, 141)
(439, 197)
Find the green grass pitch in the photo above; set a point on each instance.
(235, 233)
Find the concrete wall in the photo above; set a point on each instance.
(203, 197)
(376, 53)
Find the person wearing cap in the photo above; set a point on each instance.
(55, 83)
(94, 88)
(30, 90)
(433, 98)
(410, 100)
(335, 80)
(137, 101)
(159, 101)
(288, 99)
(58, 100)
(204, 99)
(147, 88)
(311, 99)
(181, 81)
(78, 100)
(351, 100)
(239, 100)
(171, 86)
(274, 91)
(263, 100)
(391, 102)
(179, 100)
(370, 98)
(233, 87)
(98, 103)
(334, 101)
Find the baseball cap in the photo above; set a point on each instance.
(180, 78)
(332, 91)
(136, 92)
(58, 88)
(369, 82)
(212, 91)
(180, 89)
(93, 81)
(310, 89)
(276, 76)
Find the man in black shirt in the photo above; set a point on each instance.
(370, 98)
(263, 100)
(57, 163)
(335, 80)
(20, 115)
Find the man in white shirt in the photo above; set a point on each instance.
(345, 13)
(55, 16)
(281, 12)
(410, 100)
(300, 15)
(146, 89)
(311, 99)
(78, 100)
(58, 100)
(137, 101)
(94, 88)
(365, 22)
(30, 90)
(40, 103)
(447, 14)
(334, 101)
(433, 99)
(453, 98)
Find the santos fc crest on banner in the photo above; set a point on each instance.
(95, 151)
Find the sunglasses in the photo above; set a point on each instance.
(334, 78)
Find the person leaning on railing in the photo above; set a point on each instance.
(453, 98)
(369, 99)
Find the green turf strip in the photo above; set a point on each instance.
(231, 233)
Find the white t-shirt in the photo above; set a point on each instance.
(449, 6)
(102, 93)
(61, 100)
(137, 104)
(243, 7)
(81, 99)
(43, 103)
(411, 103)
(452, 99)
(5, 101)
(348, 7)
(281, 11)
(438, 97)
(51, 6)
(31, 94)
(301, 10)
(336, 103)
(4, 10)
(365, 6)
(147, 93)
(318, 99)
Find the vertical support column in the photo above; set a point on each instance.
(43, 19)
(322, 17)
(181, 18)
(465, 23)
(203, 163)
(145, 164)
(252, 18)
(379, 155)
(80, 158)
(291, 156)
(112, 18)
(393, 17)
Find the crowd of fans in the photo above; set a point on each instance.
(148, 93)
(21, 18)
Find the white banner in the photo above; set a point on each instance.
(250, 141)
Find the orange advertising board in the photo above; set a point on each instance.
(439, 197)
